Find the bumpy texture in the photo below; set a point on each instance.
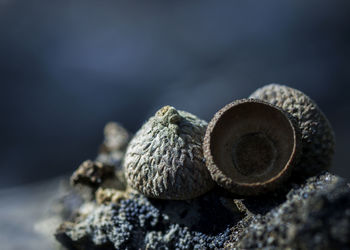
(140, 223)
(91, 173)
(311, 215)
(165, 160)
(316, 133)
(315, 215)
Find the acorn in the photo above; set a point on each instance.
(317, 136)
(251, 147)
(165, 160)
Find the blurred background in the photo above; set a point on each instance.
(69, 67)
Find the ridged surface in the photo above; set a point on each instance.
(316, 133)
(165, 159)
(228, 183)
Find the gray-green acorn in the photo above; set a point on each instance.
(165, 160)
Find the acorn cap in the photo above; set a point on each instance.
(250, 146)
(317, 136)
(165, 160)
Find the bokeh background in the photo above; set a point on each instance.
(69, 67)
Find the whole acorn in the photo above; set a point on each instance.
(251, 146)
(316, 133)
(165, 160)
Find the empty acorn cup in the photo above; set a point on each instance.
(251, 146)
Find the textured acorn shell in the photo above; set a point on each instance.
(165, 160)
(224, 119)
(316, 133)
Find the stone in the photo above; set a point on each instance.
(314, 214)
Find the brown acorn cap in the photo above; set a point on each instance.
(250, 146)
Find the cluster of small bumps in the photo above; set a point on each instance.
(165, 159)
(310, 218)
(136, 223)
(316, 133)
(314, 215)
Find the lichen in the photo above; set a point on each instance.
(310, 218)
(310, 215)
(139, 222)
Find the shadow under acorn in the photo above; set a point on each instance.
(264, 203)
(206, 214)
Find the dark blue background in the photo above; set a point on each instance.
(68, 67)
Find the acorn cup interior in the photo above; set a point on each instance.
(253, 143)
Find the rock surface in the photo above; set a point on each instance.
(310, 215)
(315, 215)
